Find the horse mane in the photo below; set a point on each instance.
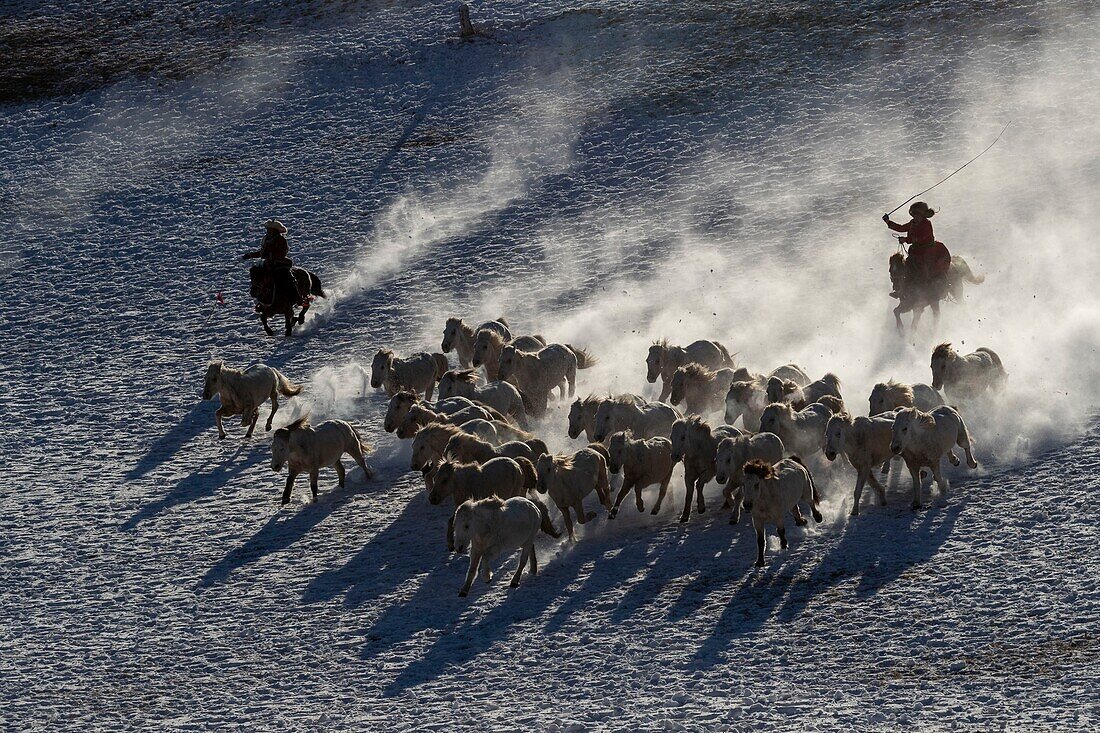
(894, 387)
(406, 394)
(697, 422)
(622, 399)
(830, 377)
(698, 371)
(759, 467)
(385, 353)
(492, 500)
(491, 336)
(591, 399)
(662, 343)
(564, 461)
(464, 375)
(944, 350)
(443, 427)
(299, 424)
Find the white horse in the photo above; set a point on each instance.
(785, 390)
(488, 345)
(746, 399)
(582, 413)
(501, 477)
(646, 420)
(773, 490)
(730, 459)
(664, 359)
(418, 416)
(643, 463)
(886, 396)
(459, 337)
(402, 402)
(307, 449)
(701, 390)
(802, 432)
(696, 444)
(500, 395)
(538, 374)
(242, 392)
(493, 526)
(924, 438)
(417, 373)
(865, 442)
(472, 449)
(966, 377)
(568, 479)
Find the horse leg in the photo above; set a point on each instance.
(356, 452)
(313, 483)
(661, 494)
(796, 512)
(738, 499)
(761, 543)
(917, 313)
(627, 486)
(582, 516)
(475, 560)
(878, 487)
(568, 522)
(860, 479)
(218, 422)
(638, 496)
(522, 561)
(781, 530)
(252, 424)
(689, 484)
(267, 327)
(274, 408)
(289, 315)
(451, 533)
(534, 561)
(941, 483)
(914, 471)
(702, 505)
(302, 314)
(289, 487)
(897, 318)
(935, 312)
(339, 473)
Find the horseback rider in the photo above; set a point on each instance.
(275, 250)
(928, 260)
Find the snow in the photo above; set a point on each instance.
(605, 176)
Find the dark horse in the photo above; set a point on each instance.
(916, 297)
(273, 298)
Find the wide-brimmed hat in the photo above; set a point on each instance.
(275, 225)
(921, 208)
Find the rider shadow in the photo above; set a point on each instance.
(280, 532)
(198, 485)
(198, 419)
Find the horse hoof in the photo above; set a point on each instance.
(514, 584)
(817, 517)
(462, 594)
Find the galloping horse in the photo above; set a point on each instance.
(918, 296)
(272, 300)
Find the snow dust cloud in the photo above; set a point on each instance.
(802, 276)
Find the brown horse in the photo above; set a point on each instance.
(273, 297)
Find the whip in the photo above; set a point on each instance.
(903, 203)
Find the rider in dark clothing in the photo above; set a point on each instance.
(275, 250)
(928, 260)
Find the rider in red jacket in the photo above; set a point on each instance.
(928, 260)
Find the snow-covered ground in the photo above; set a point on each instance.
(603, 175)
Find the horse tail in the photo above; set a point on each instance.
(965, 272)
(364, 446)
(727, 357)
(584, 359)
(441, 365)
(286, 387)
(315, 285)
(545, 524)
(530, 475)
